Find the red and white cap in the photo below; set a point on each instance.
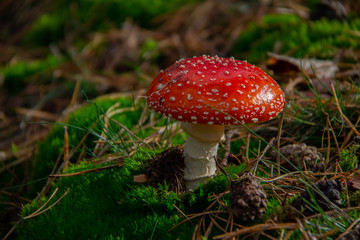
(200, 90)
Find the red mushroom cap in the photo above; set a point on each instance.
(201, 89)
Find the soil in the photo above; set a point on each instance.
(168, 167)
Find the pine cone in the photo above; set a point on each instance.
(300, 155)
(248, 199)
(330, 188)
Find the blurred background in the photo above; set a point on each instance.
(54, 55)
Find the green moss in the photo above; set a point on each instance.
(103, 205)
(348, 158)
(84, 16)
(297, 37)
(87, 120)
(17, 74)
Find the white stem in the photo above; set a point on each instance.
(199, 152)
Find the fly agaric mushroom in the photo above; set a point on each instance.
(205, 93)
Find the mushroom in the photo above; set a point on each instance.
(205, 94)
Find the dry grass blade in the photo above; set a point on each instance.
(38, 212)
(278, 141)
(36, 113)
(87, 171)
(328, 233)
(341, 112)
(349, 228)
(181, 212)
(258, 228)
(131, 133)
(332, 212)
(196, 215)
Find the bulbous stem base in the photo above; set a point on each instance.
(200, 151)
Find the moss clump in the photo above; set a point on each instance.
(108, 204)
(86, 16)
(17, 73)
(348, 158)
(104, 205)
(87, 120)
(297, 37)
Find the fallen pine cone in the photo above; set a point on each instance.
(248, 199)
(330, 189)
(302, 156)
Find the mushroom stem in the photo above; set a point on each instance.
(199, 152)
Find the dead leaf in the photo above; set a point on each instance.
(322, 68)
(355, 182)
(141, 178)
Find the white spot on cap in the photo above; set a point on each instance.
(210, 123)
(193, 118)
(189, 97)
(262, 109)
(255, 120)
(160, 86)
(182, 66)
(227, 73)
(228, 84)
(180, 117)
(172, 99)
(214, 90)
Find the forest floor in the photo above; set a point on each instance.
(46, 82)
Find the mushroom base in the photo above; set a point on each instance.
(200, 153)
